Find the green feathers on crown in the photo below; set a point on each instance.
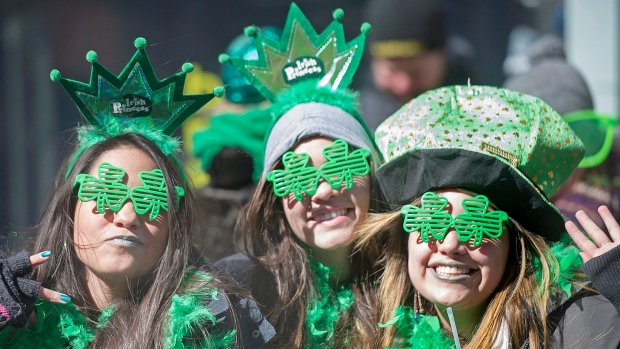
(136, 97)
(302, 54)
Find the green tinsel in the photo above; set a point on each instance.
(89, 135)
(308, 92)
(325, 307)
(63, 326)
(425, 331)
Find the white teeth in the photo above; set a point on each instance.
(451, 271)
(330, 215)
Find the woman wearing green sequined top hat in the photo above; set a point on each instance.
(315, 189)
(117, 233)
(473, 255)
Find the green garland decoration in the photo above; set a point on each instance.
(325, 307)
(424, 331)
(63, 326)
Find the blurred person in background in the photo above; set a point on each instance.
(410, 53)
(231, 151)
(551, 78)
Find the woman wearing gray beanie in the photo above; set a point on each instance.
(300, 226)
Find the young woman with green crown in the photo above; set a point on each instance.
(315, 190)
(473, 256)
(117, 231)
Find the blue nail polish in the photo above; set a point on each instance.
(30, 326)
(46, 254)
(65, 298)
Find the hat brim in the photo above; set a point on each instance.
(416, 172)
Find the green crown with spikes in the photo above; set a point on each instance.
(134, 101)
(302, 54)
(136, 96)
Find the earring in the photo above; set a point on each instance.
(418, 307)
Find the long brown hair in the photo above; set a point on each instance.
(139, 320)
(518, 301)
(282, 280)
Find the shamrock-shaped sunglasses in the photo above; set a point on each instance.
(431, 220)
(300, 177)
(108, 190)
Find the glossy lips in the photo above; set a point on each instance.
(126, 240)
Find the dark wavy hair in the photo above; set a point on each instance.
(139, 320)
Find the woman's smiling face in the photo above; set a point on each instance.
(328, 219)
(451, 273)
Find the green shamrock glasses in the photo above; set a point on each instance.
(299, 177)
(108, 190)
(431, 220)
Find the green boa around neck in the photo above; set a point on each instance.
(425, 332)
(63, 326)
(325, 307)
(418, 330)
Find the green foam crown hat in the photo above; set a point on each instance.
(301, 54)
(306, 75)
(509, 146)
(134, 101)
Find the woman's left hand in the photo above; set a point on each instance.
(599, 241)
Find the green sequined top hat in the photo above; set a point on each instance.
(134, 101)
(506, 145)
(305, 68)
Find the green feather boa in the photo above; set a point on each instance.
(325, 308)
(421, 331)
(569, 261)
(63, 326)
(418, 331)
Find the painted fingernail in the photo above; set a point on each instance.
(65, 298)
(46, 253)
(30, 326)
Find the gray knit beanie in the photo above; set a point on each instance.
(315, 119)
(552, 78)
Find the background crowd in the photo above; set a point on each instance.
(483, 41)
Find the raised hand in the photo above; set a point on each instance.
(598, 242)
(19, 293)
(45, 293)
